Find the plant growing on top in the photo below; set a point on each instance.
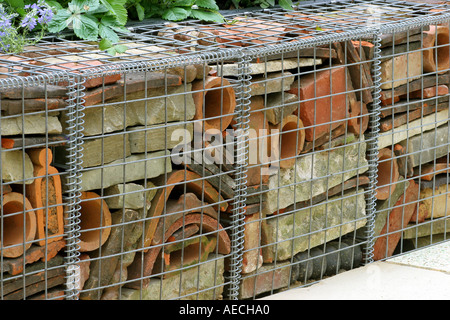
(93, 19)
(16, 28)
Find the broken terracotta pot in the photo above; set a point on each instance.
(387, 174)
(358, 120)
(290, 140)
(181, 215)
(258, 129)
(95, 221)
(401, 214)
(46, 197)
(436, 58)
(215, 102)
(13, 225)
(185, 179)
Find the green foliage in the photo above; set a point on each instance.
(285, 4)
(175, 10)
(105, 20)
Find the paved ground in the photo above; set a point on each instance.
(420, 275)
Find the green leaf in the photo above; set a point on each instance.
(16, 3)
(54, 4)
(286, 4)
(104, 44)
(175, 14)
(86, 5)
(60, 21)
(117, 8)
(120, 48)
(106, 32)
(207, 4)
(207, 15)
(140, 11)
(86, 27)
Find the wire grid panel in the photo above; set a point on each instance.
(37, 239)
(308, 165)
(414, 145)
(158, 178)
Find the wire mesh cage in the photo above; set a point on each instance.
(413, 140)
(224, 160)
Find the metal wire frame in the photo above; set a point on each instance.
(402, 234)
(16, 82)
(131, 66)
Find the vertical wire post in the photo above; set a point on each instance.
(241, 162)
(372, 151)
(73, 193)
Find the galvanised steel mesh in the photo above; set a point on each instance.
(224, 160)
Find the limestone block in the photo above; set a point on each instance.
(155, 138)
(128, 195)
(280, 105)
(140, 108)
(314, 174)
(413, 128)
(135, 167)
(269, 66)
(401, 69)
(428, 146)
(309, 227)
(435, 203)
(32, 124)
(208, 285)
(273, 82)
(14, 164)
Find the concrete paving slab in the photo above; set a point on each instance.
(412, 276)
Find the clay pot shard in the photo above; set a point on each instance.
(95, 222)
(387, 174)
(291, 142)
(436, 40)
(45, 196)
(215, 101)
(358, 120)
(13, 225)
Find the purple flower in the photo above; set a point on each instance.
(45, 16)
(29, 22)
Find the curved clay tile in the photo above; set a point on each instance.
(191, 214)
(194, 183)
(215, 96)
(13, 225)
(95, 221)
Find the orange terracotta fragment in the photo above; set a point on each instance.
(95, 221)
(358, 120)
(401, 214)
(319, 111)
(217, 98)
(387, 174)
(436, 40)
(194, 183)
(429, 92)
(292, 140)
(13, 225)
(45, 196)
(181, 215)
(257, 140)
